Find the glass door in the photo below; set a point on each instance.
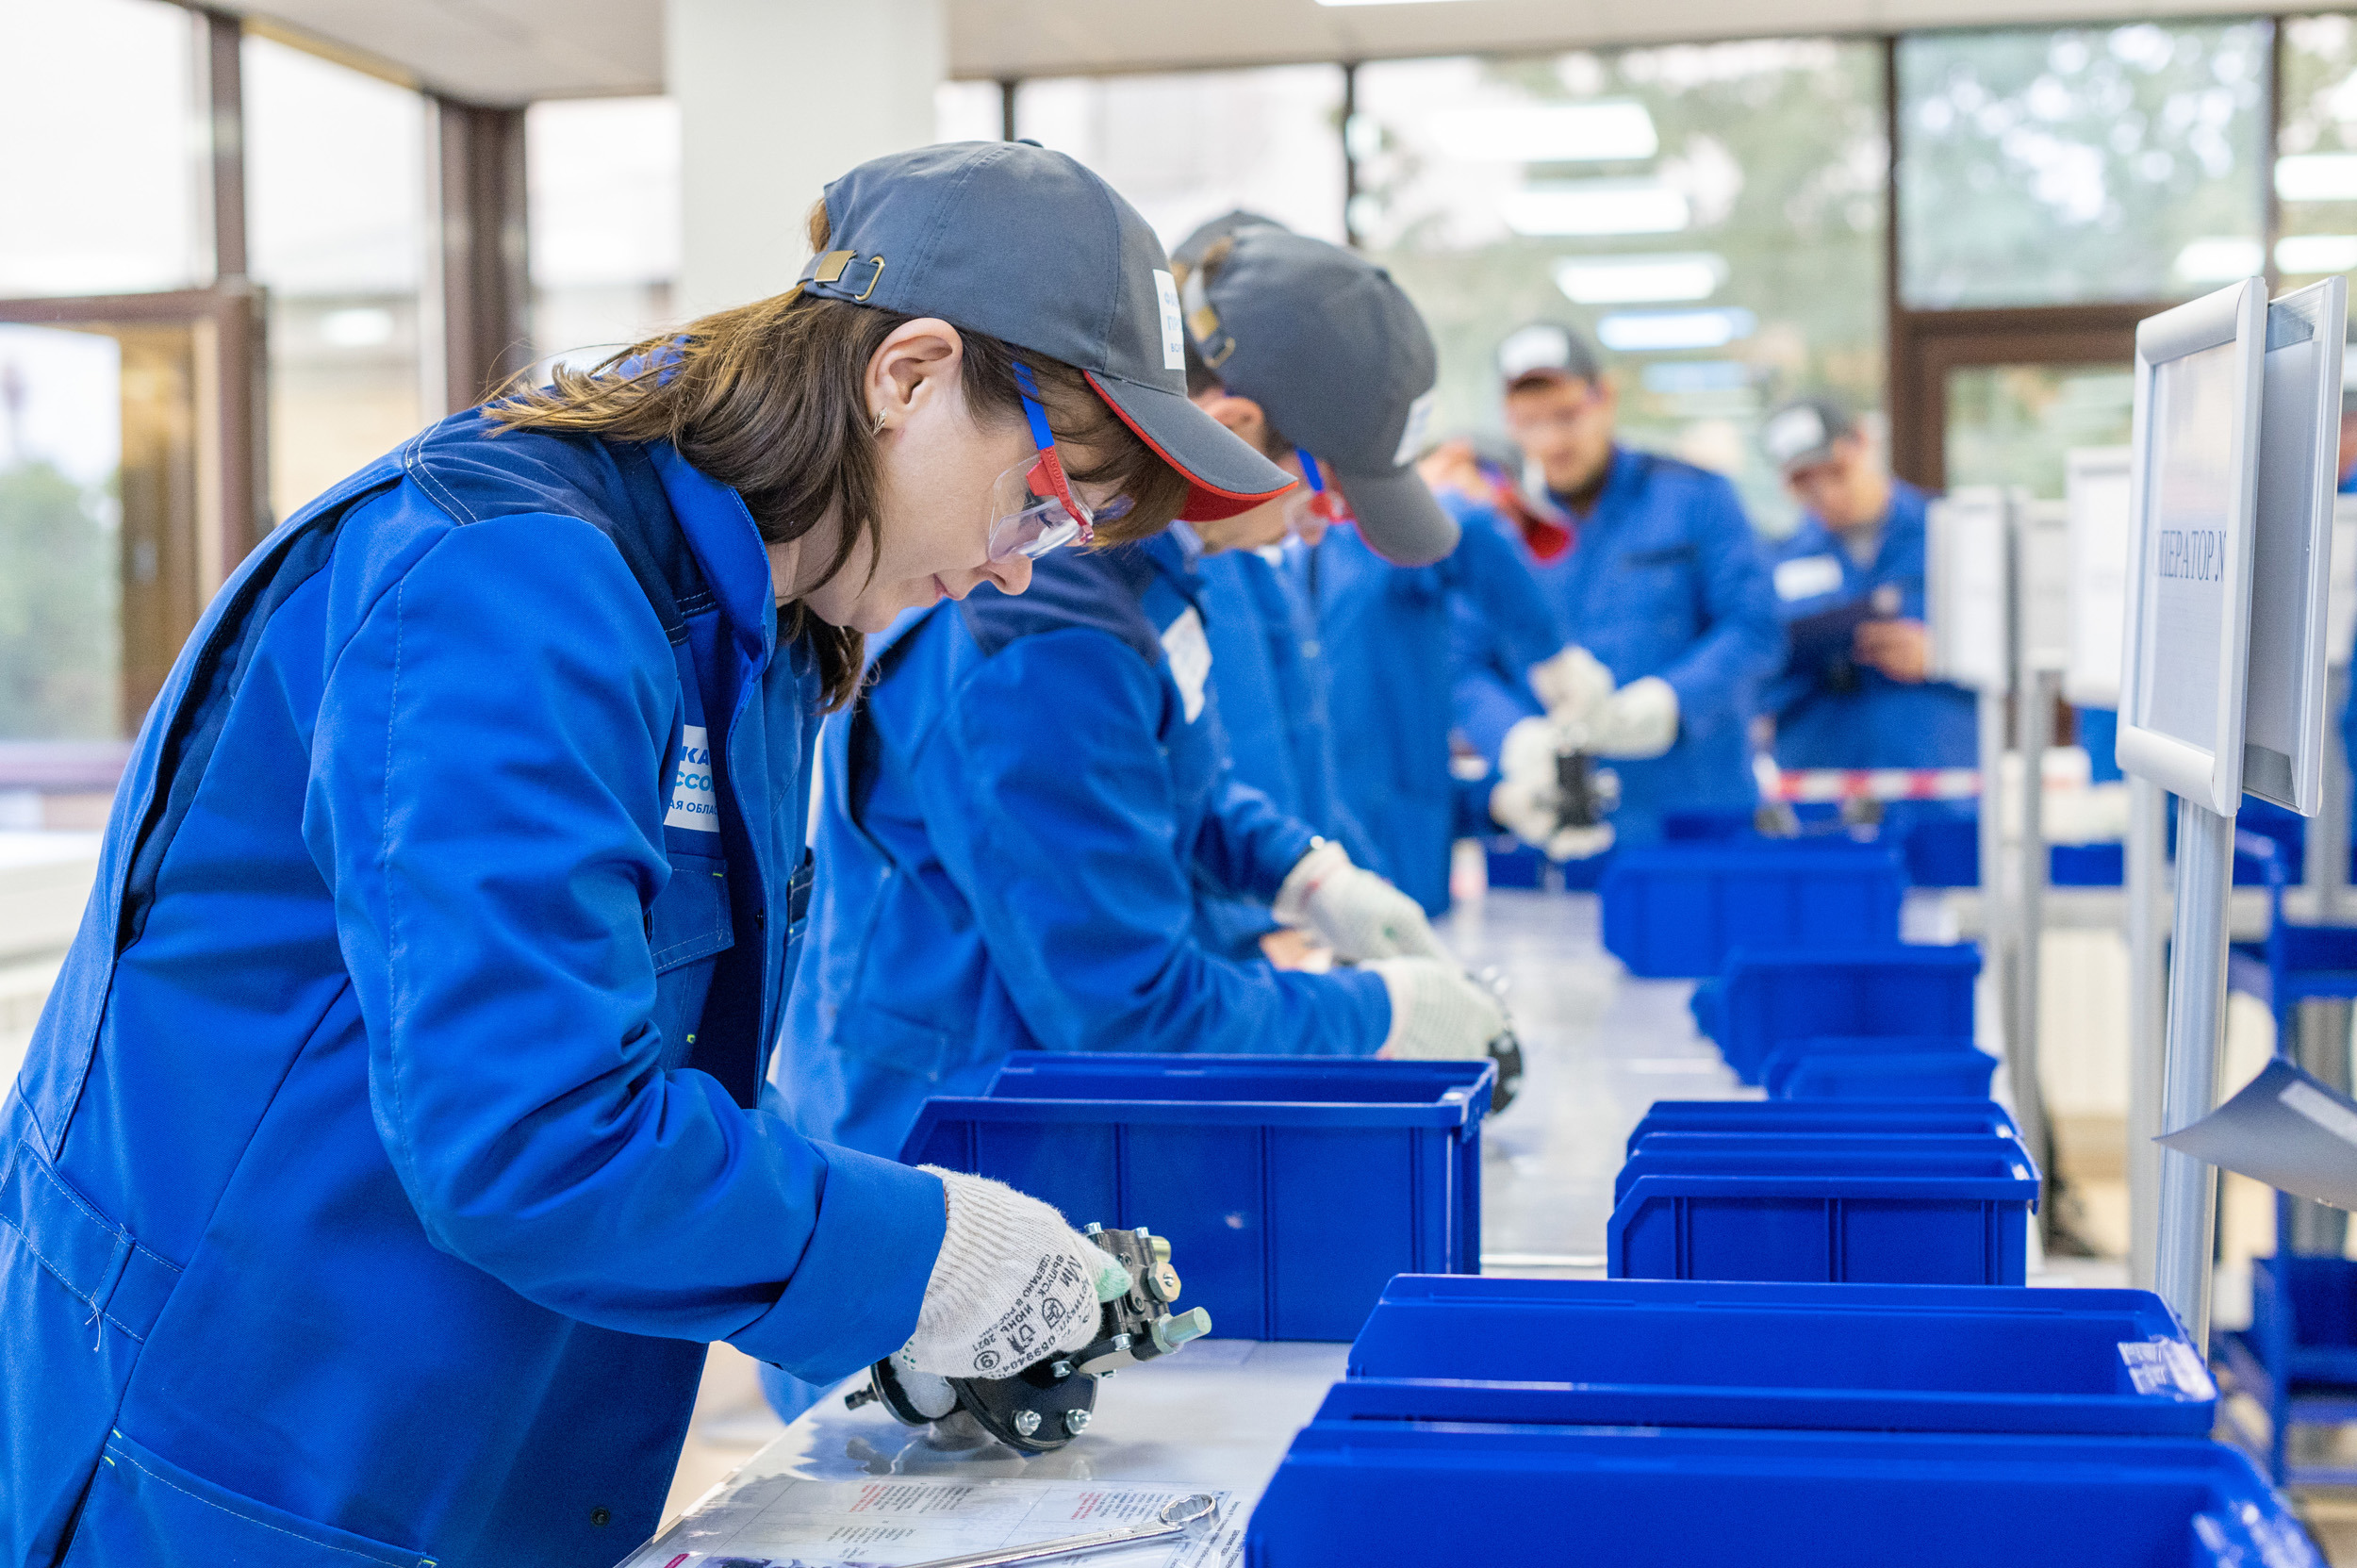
(121, 513)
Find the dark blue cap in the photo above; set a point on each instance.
(1338, 357)
(1031, 247)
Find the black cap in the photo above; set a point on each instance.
(1336, 354)
(1545, 350)
(1802, 431)
(1031, 247)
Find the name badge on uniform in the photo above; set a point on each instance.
(693, 802)
(1810, 577)
(1189, 654)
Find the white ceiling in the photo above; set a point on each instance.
(511, 51)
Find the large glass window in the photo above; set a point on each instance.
(61, 593)
(335, 203)
(1711, 215)
(604, 214)
(99, 191)
(2049, 168)
(2315, 173)
(1188, 148)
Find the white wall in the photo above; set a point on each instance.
(776, 98)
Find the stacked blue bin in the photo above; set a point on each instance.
(1290, 1190)
(1944, 1067)
(1510, 1420)
(1763, 1002)
(1678, 911)
(1915, 1207)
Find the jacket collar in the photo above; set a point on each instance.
(728, 546)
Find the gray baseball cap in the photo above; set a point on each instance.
(1028, 246)
(1802, 433)
(1332, 349)
(1545, 351)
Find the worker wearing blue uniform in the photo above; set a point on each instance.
(1664, 585)
(1269, 684)
(1022, 815)
(1850, 586)
(385, 1158)
(1401, 644)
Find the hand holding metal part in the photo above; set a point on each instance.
(1043, 1407)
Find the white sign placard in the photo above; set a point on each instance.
(2042, 554)
(2095, 491)
(2194, 479)
(1968, 587)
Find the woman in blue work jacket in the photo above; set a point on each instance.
(385, 1158)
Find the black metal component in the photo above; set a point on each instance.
(1506, 1052)
(1585, 793)
(1043, 1407)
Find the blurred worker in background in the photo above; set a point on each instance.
(1025, 811)
(1655, 576)
(2349, 436)
(1850, 586)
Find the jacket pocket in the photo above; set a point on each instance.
(689, 918)
(144, 1512)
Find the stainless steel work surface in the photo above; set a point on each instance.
(1214, 1417)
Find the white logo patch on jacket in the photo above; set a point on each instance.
(693, 802)
(1189, 654)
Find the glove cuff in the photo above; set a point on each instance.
(1324, 861)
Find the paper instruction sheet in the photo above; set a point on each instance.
(891, 1521)
(2286, 1128)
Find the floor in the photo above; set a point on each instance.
(1600, 1047)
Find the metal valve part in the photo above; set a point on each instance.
(1047, 1405)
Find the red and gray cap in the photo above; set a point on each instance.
(1337, 357)
(1028, 246)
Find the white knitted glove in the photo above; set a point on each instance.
(1013, 1285)
(1526, 801)
(1353, 911)
(1639, 721)
(1437, 1009)
(1570, 684)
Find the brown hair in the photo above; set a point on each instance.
(767, 399)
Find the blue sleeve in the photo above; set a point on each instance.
(1489, 577)
(1743, 642)
(1247, 845)
(1049, 803)
(494, 845)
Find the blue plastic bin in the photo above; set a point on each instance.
(1860, 1074)
(1290, 1190)
(1962, 1114)
(1415, 1494)
(1706, 1353)
(1788, 1058)
(1927, 1211)
(1765, 1001)
(1678, 910)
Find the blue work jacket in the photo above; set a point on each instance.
(1831, 710)
(1399, 642)
(1018, 822)
(1269, 689)
(375, 1179)
(1665, 579)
